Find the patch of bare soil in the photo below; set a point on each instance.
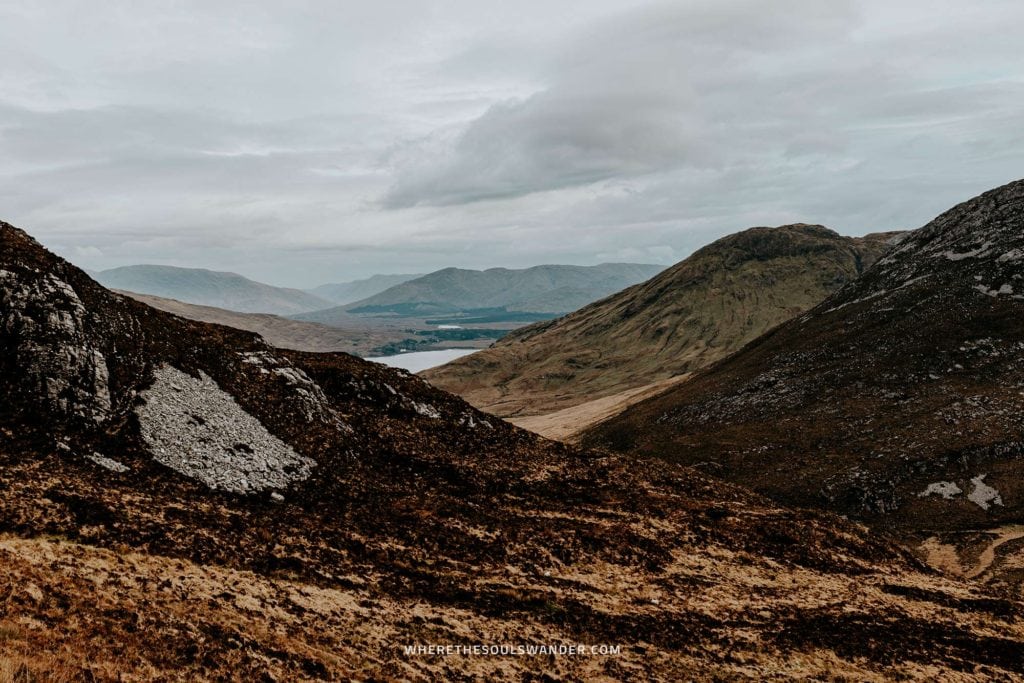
(565, 424)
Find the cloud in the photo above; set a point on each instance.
(638, 94)
(317, 141)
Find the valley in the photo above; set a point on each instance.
(685, 318)
(353, 509)
(483, 342)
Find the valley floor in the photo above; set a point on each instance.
(565, 424)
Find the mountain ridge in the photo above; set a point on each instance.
(895, 401)
(691, 314)
(347, 292)
(538, 289)
(203, 287)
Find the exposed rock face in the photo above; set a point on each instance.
(196, 429)
(44, 324)
(687, 317)
(399, 515)
(908, 380)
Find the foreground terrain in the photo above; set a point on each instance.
(184, 502)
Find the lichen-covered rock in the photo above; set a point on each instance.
(195, 428)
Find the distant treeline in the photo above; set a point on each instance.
(429, 339)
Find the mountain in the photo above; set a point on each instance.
(358, 338)
(897, 401)
(347, 292)
(547, 290)
(696, 312)
(183, 501)
(210, 288)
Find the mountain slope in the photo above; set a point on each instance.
(696, 312)
(541, 289)
(347, 292)
(898, 400)
(210, 288)
(359, 338)
(220, 509)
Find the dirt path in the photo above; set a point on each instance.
(944, 556)
(563, 425)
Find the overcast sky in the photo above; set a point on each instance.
(305, 142)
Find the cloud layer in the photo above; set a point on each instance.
(317, 141)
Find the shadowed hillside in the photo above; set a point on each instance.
(897, 401)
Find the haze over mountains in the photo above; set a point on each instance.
(897, 401)
(210, 288)
(692, 314)
(498, 299)
(549, 289)
(347, 292)
(358, 338)
(306, 515)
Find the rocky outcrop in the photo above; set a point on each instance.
(44, 327)
(195, 428)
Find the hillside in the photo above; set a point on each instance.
(184, 502)
(210, 288)
(696, 312)
(548, 290)
(347, 292)
(359, 337)
(897, 401)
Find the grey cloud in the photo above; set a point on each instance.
(279, 139)
(633, 96)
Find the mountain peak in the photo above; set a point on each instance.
(204, 287)
(909, 376)
(976, 245)
(685, 317)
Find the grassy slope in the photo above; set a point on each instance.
(689, 316)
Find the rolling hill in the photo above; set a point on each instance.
(360, 338)
(692, 314)
(347, 292)
(210, 288)
(183, 501)
(543, 291)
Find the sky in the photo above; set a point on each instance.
(309, 141)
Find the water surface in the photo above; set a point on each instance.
(422, 360)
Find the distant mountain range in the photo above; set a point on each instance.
(544, 291)
(688, 316)
(359, 338)
(210, 288)
(347, 292)
(495, 295)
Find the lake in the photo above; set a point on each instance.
(422, 360)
